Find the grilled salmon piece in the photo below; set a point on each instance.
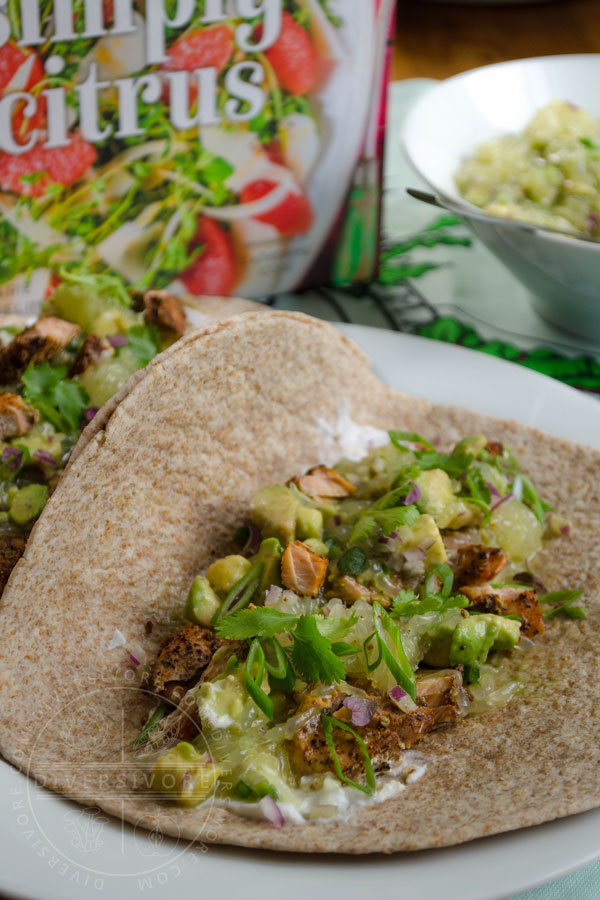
(323, 484)
(16, 416)
(477, 564)
(442, 700)
(187, 656)
(93, 349)
(35, 345)
(302, 570)
(494, 448)
(163, 310)
(508, 600)
(349, 590)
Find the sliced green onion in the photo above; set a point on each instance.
(396, 437)
(531, 497)
(444, 573)
(256, 657)
(371, 785)
(157, 716)
(241, 593)
(340, 648)
(281, 673)
(564, 601)
(398, 665)
(472, 674)
(371, 666)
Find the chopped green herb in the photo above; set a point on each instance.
(241, 593)
(561, 603)
(398, 438)
(155, 718)
(353, 561)
(244, 791)
(328, 724)
(454, 464)
(395, 658)
(60, 401)
(312, 655)
(143, 341)
(256, 659)
(261, 622)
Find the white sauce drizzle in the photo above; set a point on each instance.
(345, 436)
(332, 801)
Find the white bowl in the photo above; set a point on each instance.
(442, 129)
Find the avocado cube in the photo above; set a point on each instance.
(202, 602)
(309, 523)
(274, 510)
(27, 503)
(184, 775)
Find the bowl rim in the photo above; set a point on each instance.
(415, 110)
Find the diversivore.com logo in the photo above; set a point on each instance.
(95, 761)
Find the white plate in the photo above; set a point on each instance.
(54, 850)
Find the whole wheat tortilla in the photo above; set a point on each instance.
(155, 495)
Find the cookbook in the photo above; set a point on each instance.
(207, 147)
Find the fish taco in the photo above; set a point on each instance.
(59, 369)
(278, 604)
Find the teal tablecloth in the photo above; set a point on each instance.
(438, 281)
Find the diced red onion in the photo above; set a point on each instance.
(135, 661)
(253, 542)
(383, 540)
(117, 340)
(13, 456)
(271, 811)
(337, 520)
(402, 699)
(414, 495)
(501, 501)
(394, 535)
(565, 529)
(493, 491)
(90, 413)
(362, 709)
(45, 457)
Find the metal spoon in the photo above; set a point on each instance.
(470, 213)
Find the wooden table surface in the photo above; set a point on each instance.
(437, 40)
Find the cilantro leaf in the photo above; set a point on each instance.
(387, 519)
(72, 400)
(261, 622)
(60, 401)
(353, 561)
(390, 519)
(455, 464)
(362, 529)
(312, 656)
(142, 340)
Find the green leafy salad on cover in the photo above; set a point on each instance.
(368, 605)
(55, 373)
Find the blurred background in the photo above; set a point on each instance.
(436, 40)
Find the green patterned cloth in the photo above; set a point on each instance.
(438, 281)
